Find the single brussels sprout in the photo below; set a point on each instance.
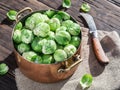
(66, 3)
(49, 47)
(75, 40)
(62, 28)
(85, 7)
(29, 55)
(36, 46)
(47, 59)
(17, 36)
(27, 36)
(23, 48)
(51, 35)
(3, 68)
(30, 23)
(54, 24)
(60, 55)
(62, 37)
(50, 13)
(64, 15)
(42, 29)
(68, 24)
(38, 17)
(18, 26)
(75, 29)
(70, 50)
(37, 59)
(57, 16)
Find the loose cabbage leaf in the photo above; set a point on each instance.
(3, 68)
(86, 81)
(85, 7)
(12, 14)
(66, 3)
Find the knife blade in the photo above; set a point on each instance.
(98, 50)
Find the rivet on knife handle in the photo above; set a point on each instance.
(99, 51)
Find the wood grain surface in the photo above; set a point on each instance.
(106, 14)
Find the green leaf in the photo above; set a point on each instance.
(85, 7)
(3, 68)
(86, 81)
(18, 26)
(66, 3)
(12, 14)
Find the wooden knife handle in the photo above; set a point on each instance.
(100, 54)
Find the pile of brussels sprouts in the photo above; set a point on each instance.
(47, 37)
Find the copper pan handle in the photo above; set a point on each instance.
(21, 11)
(78, 60)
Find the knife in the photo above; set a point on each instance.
(98, 50)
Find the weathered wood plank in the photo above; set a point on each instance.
(115, 2)
(6, 46)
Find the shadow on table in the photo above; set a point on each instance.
(7, 21)
(11, 62)
(95, 67)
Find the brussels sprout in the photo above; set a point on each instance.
(49, 47)
(62, 28)
(75, 29)
(27, 36)
(23, 47)
(43, 42)
(50, 13)
(45, 17)
(62, 37)
(57, 16)
(3, 68)
(37, 59)
(17, 36)
(38, 17)
(30, 23)
(66, 3)
(36, 46)
(64, 15)
(29, 55)
(67, 23)
(51, 35)
(12, 14)
(54, 24)
(75, 40)
(18, 26)
(70, 50)
(85, 7)
(47, 59)
(60, 55)
(42, 29)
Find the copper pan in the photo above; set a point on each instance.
(46, 73)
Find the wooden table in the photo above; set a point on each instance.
(106, 14)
